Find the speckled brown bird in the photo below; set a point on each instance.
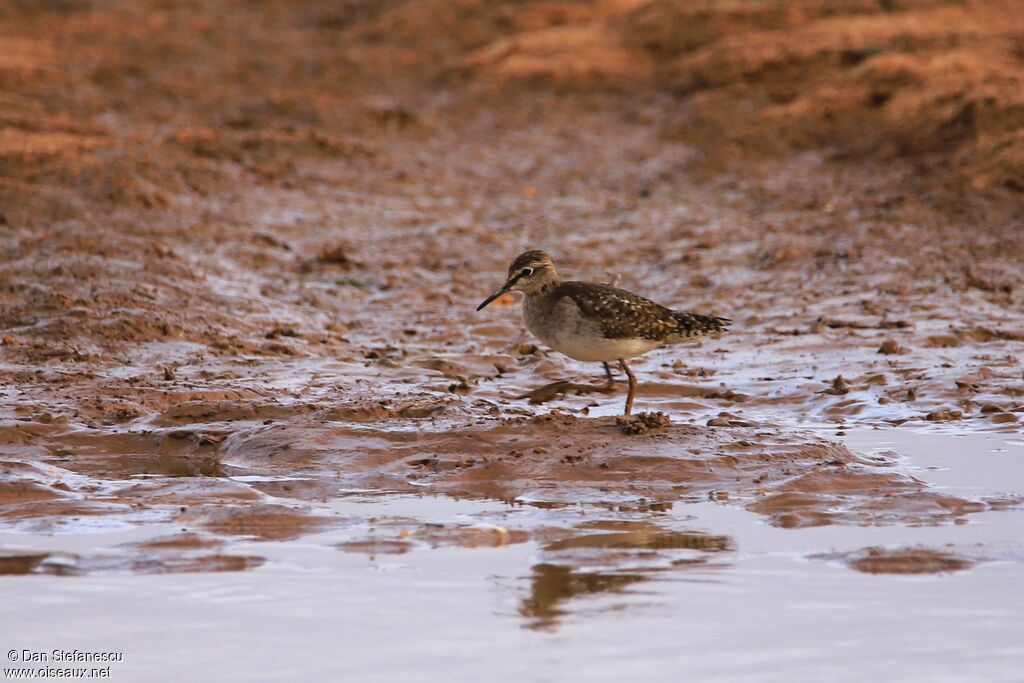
(593, 322)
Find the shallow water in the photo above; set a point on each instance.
(481, 589)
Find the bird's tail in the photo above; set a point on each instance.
(697, 325)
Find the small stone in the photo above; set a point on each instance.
(891, 347)
(943, 341)
(337, 254)
(729, 420)
(944, 415)
(840, 387)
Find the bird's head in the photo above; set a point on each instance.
(528, 273)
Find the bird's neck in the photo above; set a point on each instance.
(543, 290)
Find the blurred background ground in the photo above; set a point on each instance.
(147, 147)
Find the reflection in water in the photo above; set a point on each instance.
(629, 554)
(152, 560)
(125, 465)
(640, 505)
(644, 539)
(17, 563)
(553, 584)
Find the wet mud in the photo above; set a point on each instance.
(239, 275)
(913, 560)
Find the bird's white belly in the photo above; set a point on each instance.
(588, 348)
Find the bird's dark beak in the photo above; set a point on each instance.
(504, 288)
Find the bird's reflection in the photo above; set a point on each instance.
(553, 584)
(627, 552)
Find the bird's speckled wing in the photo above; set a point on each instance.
(623, 315)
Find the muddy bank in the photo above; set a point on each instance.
(243, 248)
(267, 479)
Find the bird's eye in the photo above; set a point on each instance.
(526, 272)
